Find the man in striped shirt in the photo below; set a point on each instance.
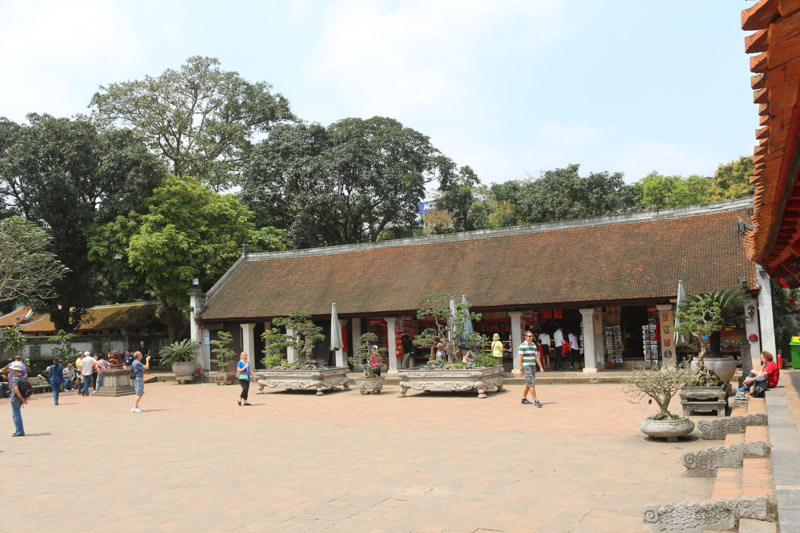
(529, 360)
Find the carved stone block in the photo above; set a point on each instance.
(704, 463)
(709, 514)
(450, 380)
(116, 383)
(719, 428)
(325, 378)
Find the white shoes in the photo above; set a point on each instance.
(136, 410)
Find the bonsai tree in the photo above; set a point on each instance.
(448, 326)
(703, 316)
(660, 384)
(299, 333)
(224, 355)
(364, 358)
(181, 351)
(13, 340)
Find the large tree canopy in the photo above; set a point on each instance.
(27, 267)
(201, 119)
(656, 191)
(186, 231)
(732, 180)
(354, 181)
(65, 176)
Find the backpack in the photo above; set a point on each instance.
(759, 389)
(25, 387)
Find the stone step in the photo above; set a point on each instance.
(734, 438)
(756, 405)
(709, 515)
(720, 427)
(747, 525)
(728, 485)
(757, 477)
(756, 434)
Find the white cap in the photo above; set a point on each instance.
(16, 365)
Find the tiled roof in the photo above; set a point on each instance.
(774, 241)
(585, 263)
(102, 317)
(16, 316)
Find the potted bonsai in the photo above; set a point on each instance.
(661, 384)
(181, 355)
(369, 358)
(450, 326)
(298, 334)
(224, 357)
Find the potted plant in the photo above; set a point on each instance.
(224, 356)
(661, 384)
(181, 355)
(297, 333)
(369, 360)
(450, 328)
(12, 340)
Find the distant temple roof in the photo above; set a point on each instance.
(100, 318)
(596, 261)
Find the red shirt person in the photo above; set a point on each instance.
(769, 373)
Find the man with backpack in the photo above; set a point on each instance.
(19, 396)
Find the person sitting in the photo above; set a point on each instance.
(69, 377)
(770, 373)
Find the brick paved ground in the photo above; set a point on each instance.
(293, 461)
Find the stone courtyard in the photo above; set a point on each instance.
(293, 461)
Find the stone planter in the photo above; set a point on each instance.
(369, 385)
(724, 367)
(451, 380)
(705, 399)
(184, 371)
(223, 378)
(324, 378)
(117, 382)
(667, 429)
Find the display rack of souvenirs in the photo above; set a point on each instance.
(650, 341)
(613, 339)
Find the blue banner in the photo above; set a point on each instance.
(426, 207)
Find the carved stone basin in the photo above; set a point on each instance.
(323, 378)
(451, 380)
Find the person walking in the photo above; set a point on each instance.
(574, 351)
(544, 340)
(78, 375)
(138, 381)
(244, 374)
(558, 340)
(87, 367)
(100, 367)
(497, 349)
(408, 350)
(528, 360)
(17, 400)
(54, 374)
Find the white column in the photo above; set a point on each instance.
(291, 353)
(589, 358)
(341, 355)
(667, 321)
(751, 328)
(390, 334)
(516, 336)
(249, 341)
(599, 339)
(195, 331)
(205, 349)
(356, 327)
(765, 316)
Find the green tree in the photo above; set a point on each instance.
(732, 180)
(468, 211)
(64, 351)
(65, 175)
(27, 267)
(448, 325)
(12, 339)
(656, 191)
(186, 231)
(200, 119)
(223, 354)
(296, 332)
(347, 183)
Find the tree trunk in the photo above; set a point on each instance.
(715, 342)
(172, 316)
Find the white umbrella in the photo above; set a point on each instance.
(452, 317)
(679, 338)
(468, 329)
(336, 330)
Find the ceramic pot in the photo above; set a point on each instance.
(184, 371)
(667, 429)
(369, 385)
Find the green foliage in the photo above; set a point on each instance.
(65, 175)
(484, 360)
(786, 319)
(367, 359)
(466, 211)
(660, 384)
(732, 180)
(299, 333)
(184, 350)
(187, 231)
(64, 351)
(705, 378)
(223, 355)
(656, 191)
(269, 239)
(12, 339)
(273, 361)
(448, 326)
(200, 119)
(27, 267)
(350, 182)
(703, 315)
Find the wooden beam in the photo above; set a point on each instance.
(762, 133)
(763, 109)
(760, 149)
(762, 121)
(760, 15)
(759, 63)
(756, 179)
(779, 54)
(756, 42)
(783, 29)
(758, 81)
(760, 96)
(787, 7)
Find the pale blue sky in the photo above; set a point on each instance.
(507, 87)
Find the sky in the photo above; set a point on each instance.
(510, 88)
